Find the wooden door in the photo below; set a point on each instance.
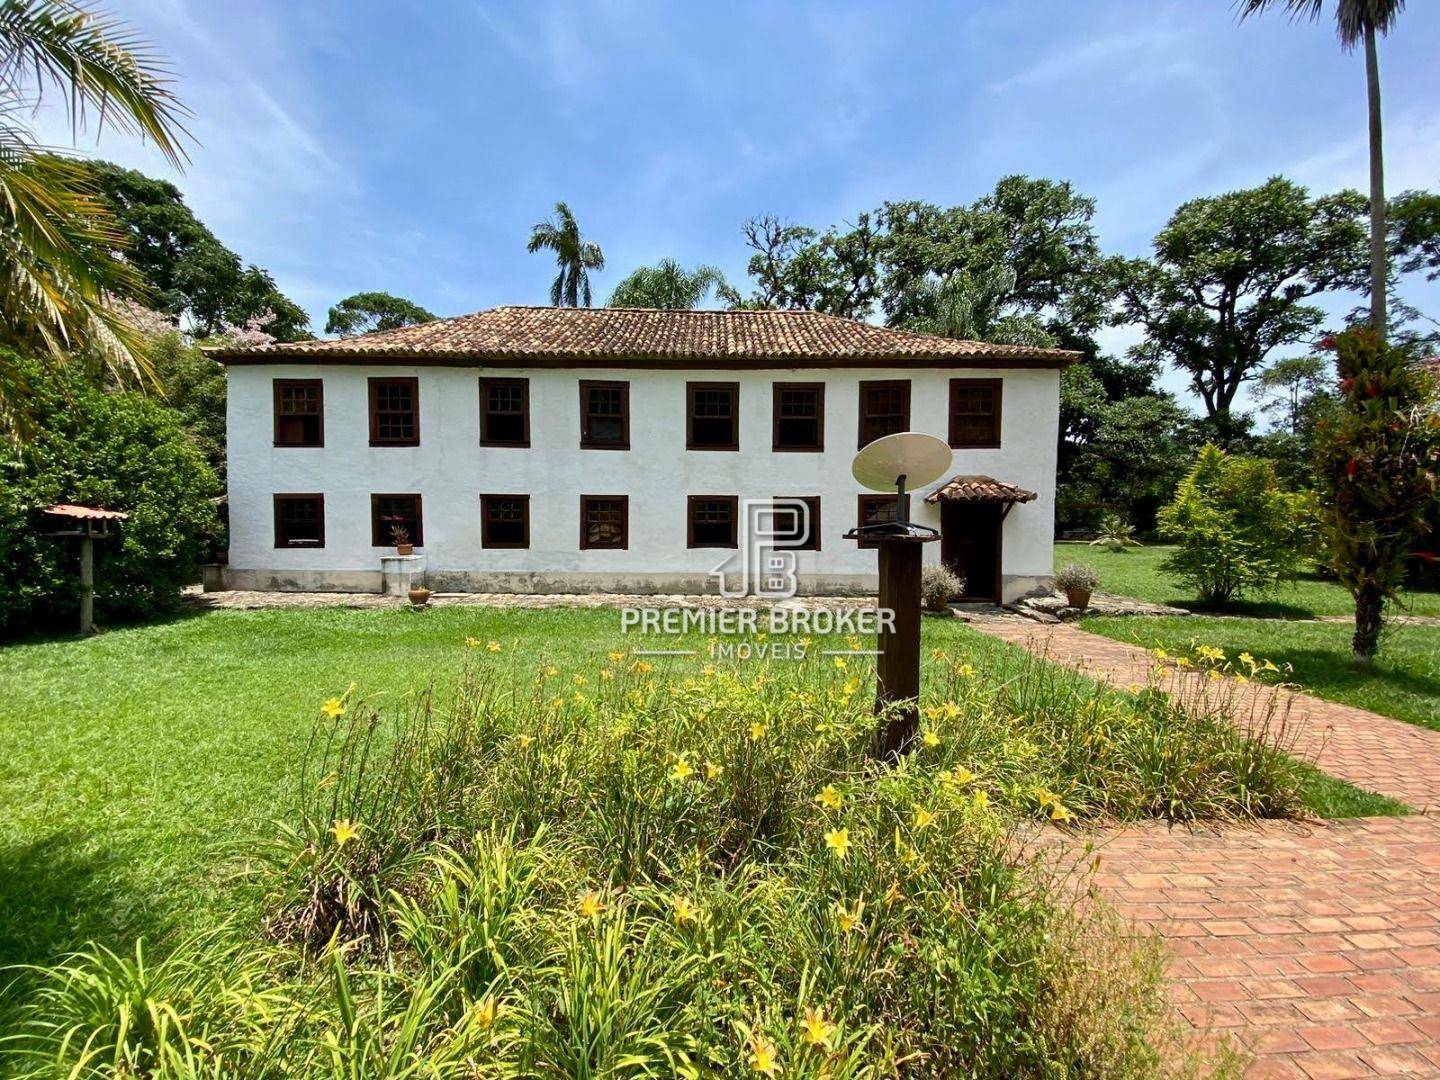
(970, 546)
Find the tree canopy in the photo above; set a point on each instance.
(668, 285)
(189, 273)
(574, 255)
(367, 311)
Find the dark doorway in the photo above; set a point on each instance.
(970, 545)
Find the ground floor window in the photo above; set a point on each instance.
(505, 521)
(711, 520)
(604, 521)
(299, 521)
(393, 516)
(876, 510)
(795, 530)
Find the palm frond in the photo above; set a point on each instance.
(98, 63)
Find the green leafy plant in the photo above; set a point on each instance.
(1238, 531)
(1115, 534)
(938, 584)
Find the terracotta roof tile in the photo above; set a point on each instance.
(575, 336)
(979, 489)
(84, 513)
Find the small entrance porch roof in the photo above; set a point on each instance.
(983, 489)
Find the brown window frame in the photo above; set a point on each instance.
(417, 538)
(279, 388)
(732, 501)
(813, 543)
(876, 384)
(993, 442)
(624, 544)
(298, 496)
(586, 442)
(414, 383)
(777, 389)
(691, 389)
(524, 385)
(485, 540)
(860, 504)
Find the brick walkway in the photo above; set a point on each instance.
(1316, 946)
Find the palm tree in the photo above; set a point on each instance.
(668, 285)
(973, 307)
(575, 256)
(62, 294)
(1358, 22)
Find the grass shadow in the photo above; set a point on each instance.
(55, 634)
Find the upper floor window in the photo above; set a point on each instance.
(395, 519)
(300, 521)
(884, 408)
(712, 520)
(875, 510)
(604, 521)
(974, 413)
(505, 521)
(504, 412)
(712, 416)
(395, 412)
(797, 528)
(299, 412)
(604, 415)
(799, 416)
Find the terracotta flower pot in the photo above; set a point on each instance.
(404, 549)
(419, 596)
(1078, 598)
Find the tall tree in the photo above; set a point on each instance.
(1358, 22)
(367, 311)
(669, 285)
(57, 276)
(574, 255)
(190, 273)
(1229, 280)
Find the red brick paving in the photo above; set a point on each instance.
(1315, 945)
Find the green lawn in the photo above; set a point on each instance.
(1405, 683)
(1136, 572)
(131, 763)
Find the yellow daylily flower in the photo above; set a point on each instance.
(590, 904)
(685, 911)
(484, 1013)
(472, 642)
(931, 738)
(333, 708)
(492, 646)
(615, 657)
(849, 918)
(524, 741)
(830, 798)
(982, 799)
(840, 663)
(838, 841)
(817, 1028)
(713, 771)
(344, 830)
(757, 731)
(682, 770)
(764, 1058)
(923, 818)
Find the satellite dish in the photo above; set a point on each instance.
(906, 460)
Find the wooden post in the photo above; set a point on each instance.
(898, 666)
(87, 584)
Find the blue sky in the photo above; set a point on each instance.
(349, 146)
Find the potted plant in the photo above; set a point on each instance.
(401, 536)
(937, 585)
(419, 596)
(1077, 582)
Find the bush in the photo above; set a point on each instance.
(1115, 534)
(938, 584)
(114, 449)
(1237, 529)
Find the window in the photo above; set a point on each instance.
(504, 412)
(875, 509)
(793, 530)
(604, 415)
(395, 412)
(712, 416)
(391, 512)
(884, 409)
(974, 413)
(799, 417)
(299, 412)
(505, 521)
(299, 521)
(604, 521)
(710, 520)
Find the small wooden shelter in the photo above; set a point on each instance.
(88, 524)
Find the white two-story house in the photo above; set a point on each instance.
(539, 449)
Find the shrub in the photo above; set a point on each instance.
(1238, 531)
(1379, 455)
(1115, 534)
(114, 449)
(938, 584)
(1077, 576)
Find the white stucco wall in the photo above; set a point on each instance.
(451, 470)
